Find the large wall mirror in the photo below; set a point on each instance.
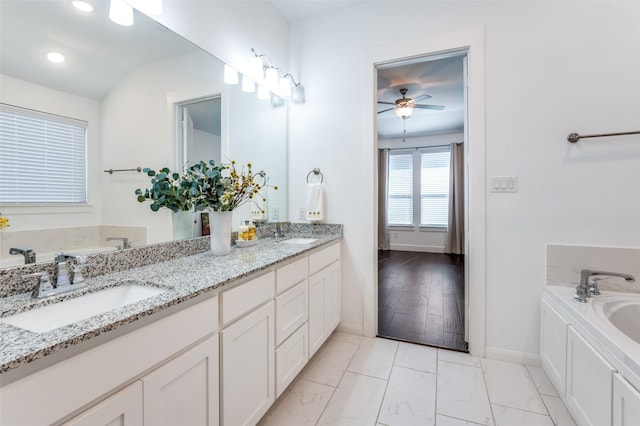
(133, 86)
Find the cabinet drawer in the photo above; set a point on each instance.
(243, 298)
(292, 274)
(292, 310)
(124, 408)
(291, 357)
(323, 258)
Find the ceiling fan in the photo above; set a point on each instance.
(404, 106)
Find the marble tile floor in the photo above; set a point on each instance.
(353, 381)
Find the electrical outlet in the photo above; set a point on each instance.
(275, 213)
(302, 213)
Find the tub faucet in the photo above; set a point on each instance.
(29, 254)
(588, 285)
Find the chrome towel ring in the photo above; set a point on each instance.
(316, 172)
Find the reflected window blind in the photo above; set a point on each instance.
(434, 187)
(42, 157)
(400, 188)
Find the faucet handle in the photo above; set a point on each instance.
(43, 287)
(76, 273)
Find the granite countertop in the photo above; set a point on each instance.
(183, 279)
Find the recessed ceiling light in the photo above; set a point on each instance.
(55, 57)
(82, 5)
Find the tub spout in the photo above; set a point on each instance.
(583, 290)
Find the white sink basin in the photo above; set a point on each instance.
(77, 309)
(300, 240)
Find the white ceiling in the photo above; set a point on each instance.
(99, 53)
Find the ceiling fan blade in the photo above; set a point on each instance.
(385, 110)
(421, 98)
(386, 103)
(436, 107)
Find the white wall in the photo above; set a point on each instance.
(28, 95)
(551, 68)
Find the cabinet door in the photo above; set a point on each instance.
(291, 357)
(626, 403)
(333, 296)
(317, 311)
(122, 409)
(589, 382)
(184, 391)
(553, 346)
(248, 348)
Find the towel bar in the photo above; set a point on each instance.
(111, 171)
(574, 137)
(316, 172)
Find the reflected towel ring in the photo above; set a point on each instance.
(316, 172)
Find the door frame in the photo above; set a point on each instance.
(472, 41)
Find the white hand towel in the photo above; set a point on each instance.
(315, 202)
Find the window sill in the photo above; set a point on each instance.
(24, 209)
(433, 229)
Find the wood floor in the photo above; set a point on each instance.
(421, 298)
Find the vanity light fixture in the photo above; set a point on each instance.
(230, 75)
(297, 90)
(121, 13)
(55, 57)
(248, 85)
(82, 6)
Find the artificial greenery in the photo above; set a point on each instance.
(219, 187)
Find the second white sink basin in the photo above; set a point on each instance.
(300, 240)
(624, 314)
(67, 312)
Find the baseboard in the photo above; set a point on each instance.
(512, 356)
(412, 247)
(356, 329)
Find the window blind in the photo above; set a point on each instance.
(42, 157)
(400, 188)
(434, 188)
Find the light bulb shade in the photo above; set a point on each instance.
(248, 85)
(230, 75)
(285, 87)
(121, 13)
(276, 101)
(297, 94)
(255, 65)
(263, 92)
(404, 111)
(272, 79)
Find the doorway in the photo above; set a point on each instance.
(421, 117)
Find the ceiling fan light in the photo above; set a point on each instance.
(404, 111)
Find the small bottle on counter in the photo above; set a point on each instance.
(251, 230)
(243, 233)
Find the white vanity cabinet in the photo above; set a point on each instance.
(324, 295)
(626, 403)
(589, 382)
(123, 409)
(553, 346)
(247, 355)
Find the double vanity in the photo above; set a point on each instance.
(200, 339)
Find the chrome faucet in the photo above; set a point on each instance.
(125, 242)
(279, 232)
(64, 280)
(29, 254)
(589, 285)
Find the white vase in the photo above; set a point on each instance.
(220, 232)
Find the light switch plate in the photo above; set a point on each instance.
(302, 213)
(504, 184)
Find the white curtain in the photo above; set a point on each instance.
(455, 233)
(383, 230)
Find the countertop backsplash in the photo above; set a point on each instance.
(564, 263)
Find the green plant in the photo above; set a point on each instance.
(219, 187)
(166, 191)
